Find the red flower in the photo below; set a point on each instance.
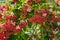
(44, 11)
(3, 8)
(23, 24)
(58, 19)
(45, 15)
(0, 17)
(37, 19)
(8, 17)
(25, 8)
(54, 19)
(8, 26)
(11, 16)
(6, 34)
(17, 29)
(2, 36)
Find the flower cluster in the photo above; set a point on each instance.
(33, 15)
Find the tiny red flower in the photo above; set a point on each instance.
(6, 34)
(11, 16)
(25, 8)
(58, 19)
(44, 14)
(2, 36)
(23, 24)
(36, 19)
(17, 29)
(4, 7)
(8, 26)
(44, 11)
(54, 19)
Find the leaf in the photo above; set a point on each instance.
(30, 14)
(57, 9)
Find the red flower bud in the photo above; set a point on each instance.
(23, 24)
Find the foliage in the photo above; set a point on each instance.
(30, 20)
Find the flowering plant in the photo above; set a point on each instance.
(30, 20)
